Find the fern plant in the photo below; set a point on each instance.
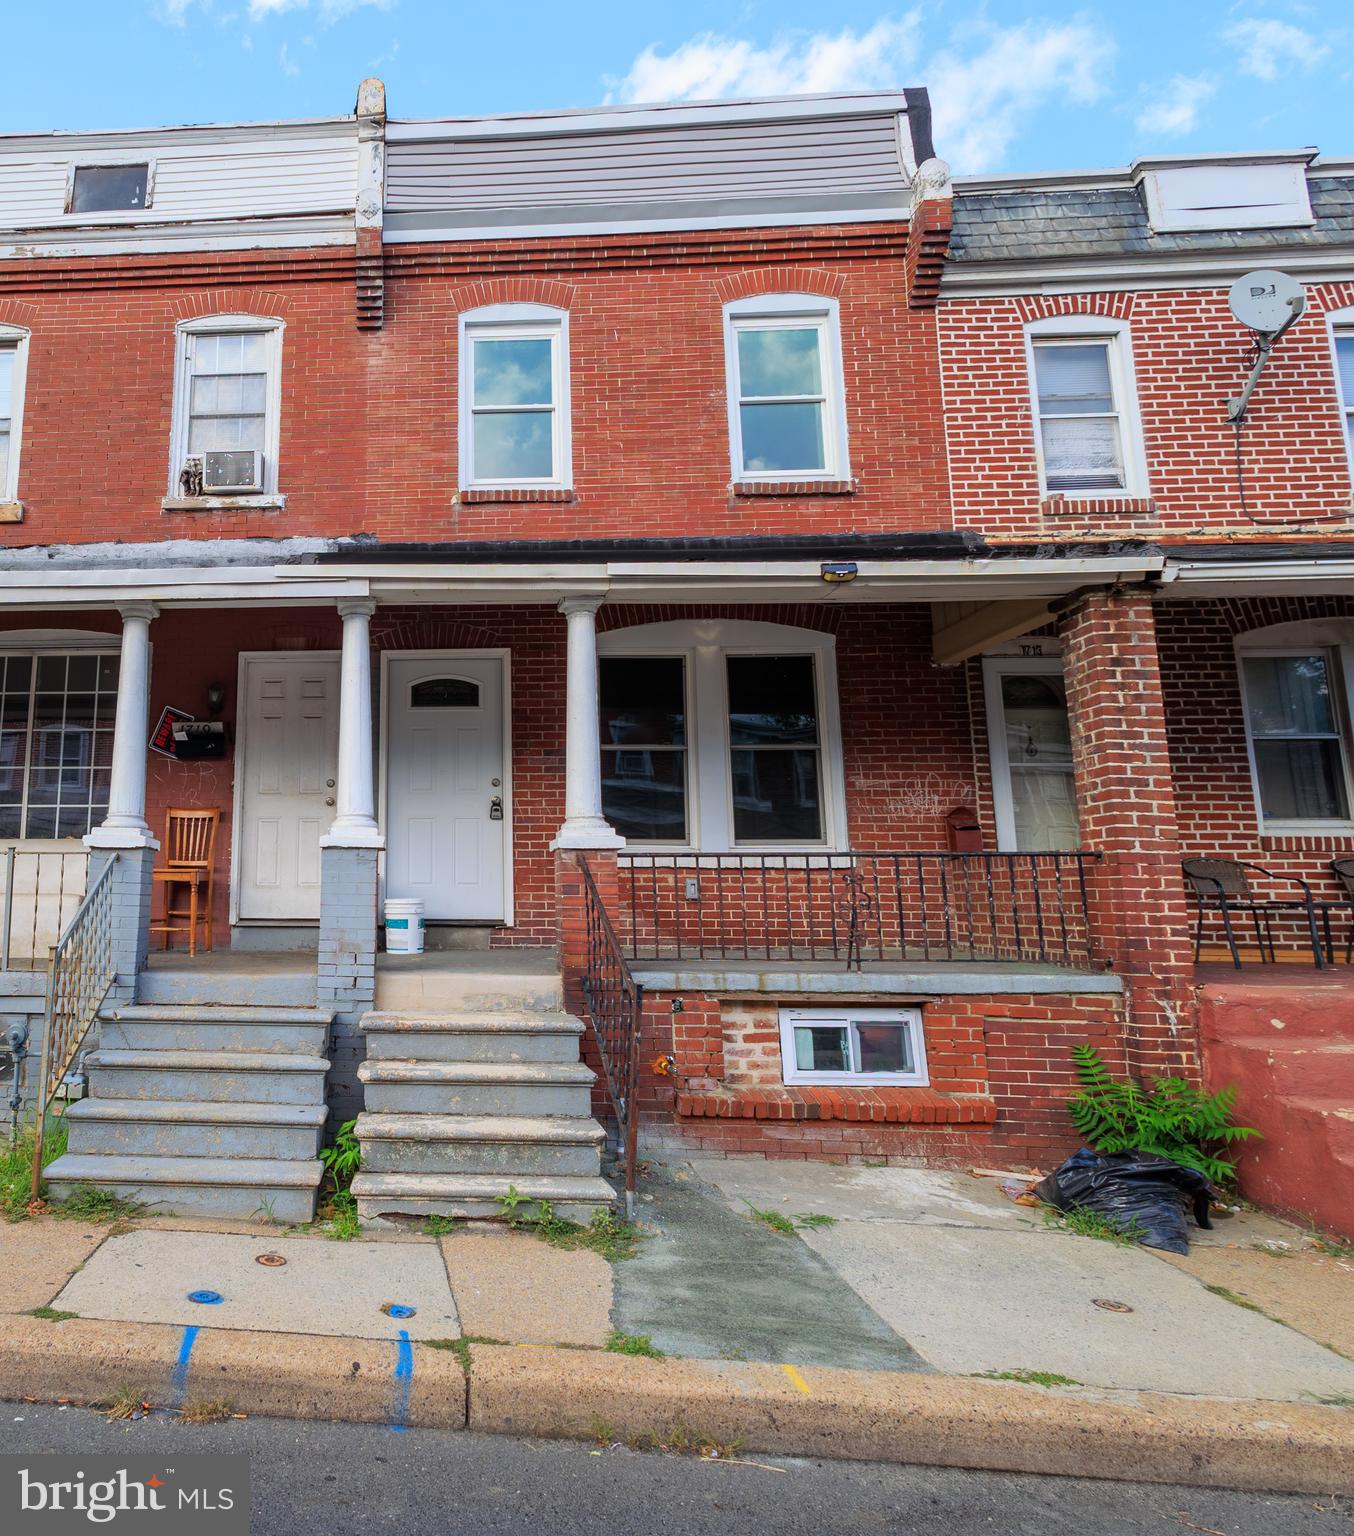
(1168, 1116)
(344, 1158)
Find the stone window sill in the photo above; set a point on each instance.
(793, 487)
(880, 1106)
(270, 503)
(513, 494)
(11, 511)
(1097, 506)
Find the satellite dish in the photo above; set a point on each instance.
(1266, 301)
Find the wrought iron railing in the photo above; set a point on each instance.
(615, 1003)
(80, 971)
(852, 908)
(42, 889)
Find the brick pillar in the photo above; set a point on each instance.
(1139, 919)
(346, 964)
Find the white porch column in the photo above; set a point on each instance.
(355, 817)
(125, 824)
(584, 825)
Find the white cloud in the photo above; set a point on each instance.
(984, 86)
(171, 12)
(708, 67)
(1266, 48)
(1175, 108)
(286, 63)
(174, 13)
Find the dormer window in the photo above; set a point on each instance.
(110, 188)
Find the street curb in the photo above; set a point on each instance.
(540, 1390)
(920, 1419)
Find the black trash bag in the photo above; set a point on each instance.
(1132, 1190)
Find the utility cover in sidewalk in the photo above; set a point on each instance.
(324, 1287)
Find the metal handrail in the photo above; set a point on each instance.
(615, 1007)
(80, 971)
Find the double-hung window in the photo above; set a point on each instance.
(1344, 372)
(13, 355)
(1297, 720)
(56, 741)
(227, 401)
(720, 735)
(514, 398)
(1086, 433)
(865, 1045)
(787, 415)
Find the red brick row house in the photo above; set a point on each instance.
(603, 529)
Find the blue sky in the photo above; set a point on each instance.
(1015, 85)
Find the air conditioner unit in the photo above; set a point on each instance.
(229, 470)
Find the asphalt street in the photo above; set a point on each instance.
(322, 1478)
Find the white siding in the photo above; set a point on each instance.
(849, 154)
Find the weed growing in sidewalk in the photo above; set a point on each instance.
(619, 1343)
(787, 1226)
(458, 1347)
(1086, 1223)
(681, 1441)
(1031, 1378)
(16, 1167)
(438, 1226)
(1338, 1400)
(1237, 1301)
(206, 1410)
(87, 1202)
(1325, 1242)
(51, 1314)
(344, 1158)
(341, 1217)
(604, 1234)
(124, 1404)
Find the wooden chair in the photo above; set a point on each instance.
(1221, 886)
(189, 851)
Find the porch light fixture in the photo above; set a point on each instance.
(838, 570)
(216, 698)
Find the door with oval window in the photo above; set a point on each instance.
(446, 791)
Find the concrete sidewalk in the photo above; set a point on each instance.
(908, 1316)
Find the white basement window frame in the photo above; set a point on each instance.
(1057, 332)
(507, 323)
(13, 376)
(1341, 323)
(855, 1036)
(189, 336)
(705, 647)
(821, 390)
(1329, 740)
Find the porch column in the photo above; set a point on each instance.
(584, 825)
(1126, 801)
(125, 824)
(355, 818)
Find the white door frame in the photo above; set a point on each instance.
(1003, 807)
(237, 789)
(497, 653)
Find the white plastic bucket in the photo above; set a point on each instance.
(404, 927)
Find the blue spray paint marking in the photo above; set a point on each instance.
(399, 1309)
(179, 1380)
(206, 1298)
(404, 1382)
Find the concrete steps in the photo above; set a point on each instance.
(203, 1110)
(1289, 1050)
(465, 1104)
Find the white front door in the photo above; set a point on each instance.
(446, 800)
(288, 765)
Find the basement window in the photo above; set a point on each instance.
(870, 1046)
(110, 188)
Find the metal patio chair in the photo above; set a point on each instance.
(1343, 870)
(1222, 886)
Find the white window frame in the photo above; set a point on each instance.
(994, 669)
(506, 322)
(15, 338)
(107, 161)
(1123, 384)
(705, 645)
(1340, 656)
(1340, 326)
(790, 311)
(910, 1019)
(210, 325)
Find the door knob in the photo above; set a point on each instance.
(329, 799)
